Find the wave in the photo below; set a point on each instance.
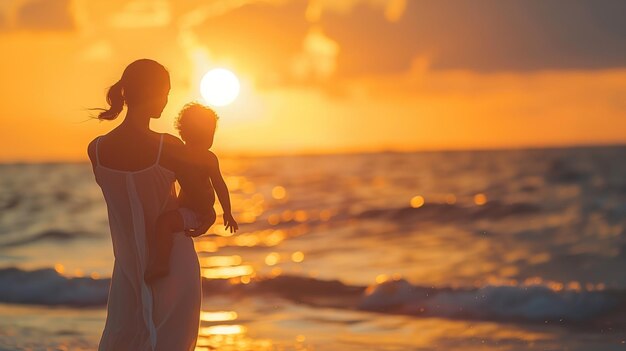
(439, 212)
(530, 304)
(53, 234)
(563, 171)
(430, 212)
(535, 303)
(10, 203)
(47, 287)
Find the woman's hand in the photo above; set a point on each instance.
(207, 221)
(195, 232)
(230, 223)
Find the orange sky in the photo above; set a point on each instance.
(321, 76)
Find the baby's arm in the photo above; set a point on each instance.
(222, 191)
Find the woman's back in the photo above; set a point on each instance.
(138, 313)
(149, 191)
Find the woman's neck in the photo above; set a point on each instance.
(137, 120)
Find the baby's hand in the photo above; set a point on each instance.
(229, 222)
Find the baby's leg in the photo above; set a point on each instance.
(160, 246)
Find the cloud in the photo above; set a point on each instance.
(45, 15)
(287, 42)
(98, 51)
(318, 59)
(142, 14)
(393, 9)
(261, 39)
(489, 35)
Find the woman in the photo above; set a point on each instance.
(136, 169)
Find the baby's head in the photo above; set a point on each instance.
(196, 124)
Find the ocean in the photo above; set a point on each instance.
(458, 250)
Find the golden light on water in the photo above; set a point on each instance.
(220, 261)
(248, 240)
(301, 216)
(325, 215)
(274, 238)
(218, 316)
(297, 256)
(273, 219)
(230, 337)
(294, 221)
(574, 286)
(219, 87)
(59, 268)
(287, 215)
(248, 187)
(266, 237)
(381, 278)
(226, 272)
(279, 192)
(205, 246)
(480, 199)
(222, 330)
(272, 259)
(450, 199)
(417, 201)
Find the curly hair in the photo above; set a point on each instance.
(193, 114)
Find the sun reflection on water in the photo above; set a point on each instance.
(220, 261)
(222, 330)
(272, 224)
(218, 316)
(59, 268)
(225, 336)
(226, 272)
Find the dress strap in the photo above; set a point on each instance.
(160, 148)
(97, 157)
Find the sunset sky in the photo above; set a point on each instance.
(324, 76)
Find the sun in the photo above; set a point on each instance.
(219, 87)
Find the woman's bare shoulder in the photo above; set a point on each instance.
(91, 149)
(172, 141)
(172, 145)
(174, 155)
(211, 158)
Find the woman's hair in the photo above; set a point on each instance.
(142, 79)
(193, 115)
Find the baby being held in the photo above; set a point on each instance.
(196, 124)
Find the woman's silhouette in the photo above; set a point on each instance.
(136, 169)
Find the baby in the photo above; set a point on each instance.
(196, 124)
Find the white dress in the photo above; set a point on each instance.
(163, 316)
